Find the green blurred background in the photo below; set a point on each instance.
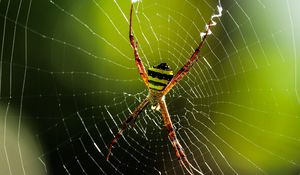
(73, 58)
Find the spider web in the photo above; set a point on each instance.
(68, 80)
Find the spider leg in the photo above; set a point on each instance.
(174, 141)
(130, 120)
(194, 58)
(134, 46)
(188, 65)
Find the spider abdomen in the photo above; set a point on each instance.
(159, 77)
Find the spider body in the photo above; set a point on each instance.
(159, 77)
(159, 81)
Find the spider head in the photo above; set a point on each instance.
(159, 76)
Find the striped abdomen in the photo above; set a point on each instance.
(159, 78)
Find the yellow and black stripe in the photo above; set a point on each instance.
(159, 77)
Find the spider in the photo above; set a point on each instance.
(159, 81)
